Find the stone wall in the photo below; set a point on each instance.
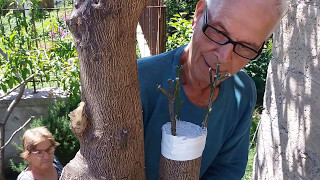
(31, 104)
(289, 136)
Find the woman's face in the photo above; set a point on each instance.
(42, 156)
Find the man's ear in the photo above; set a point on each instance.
(200, 9)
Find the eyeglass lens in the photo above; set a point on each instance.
(50, 150)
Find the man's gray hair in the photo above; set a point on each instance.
(280, 8)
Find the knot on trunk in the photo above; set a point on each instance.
(78, 120)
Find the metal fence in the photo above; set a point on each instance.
(54, 13)
(17, 18)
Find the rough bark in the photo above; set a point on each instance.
(288, 139)
(179, 170)
(112, 141)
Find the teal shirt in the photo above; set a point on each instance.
(226, 152)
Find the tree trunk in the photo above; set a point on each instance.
(179, 170)
(111, 136)
(289, 138)
(181, 154)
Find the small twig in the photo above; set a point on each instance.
(17, 86)
(177, 95)
(171, 98)
(162, 90)
(213, 84)
(222, 77)
(15, 132)
(171, 95)
(212, 89)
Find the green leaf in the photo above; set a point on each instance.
(25, 72)
(4, 88)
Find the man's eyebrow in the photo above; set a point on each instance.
(223, 29)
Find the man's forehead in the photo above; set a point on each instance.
(245, 22)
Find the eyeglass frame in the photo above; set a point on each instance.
(51, 148)
(234, 43)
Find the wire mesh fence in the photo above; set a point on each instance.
(38, 31)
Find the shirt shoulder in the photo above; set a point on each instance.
(58, 166)
(24, 176)
(244, 87)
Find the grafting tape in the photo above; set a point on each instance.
(187, 145)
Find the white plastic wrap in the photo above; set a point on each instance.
(187, 145)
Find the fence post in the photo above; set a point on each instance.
(153, 25)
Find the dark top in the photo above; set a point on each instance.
(226, 151)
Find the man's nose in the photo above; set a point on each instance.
(224, 53)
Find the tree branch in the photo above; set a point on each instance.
(13, 104)
(162, 90)
(15, 132)
(16, 87)
(3, 54)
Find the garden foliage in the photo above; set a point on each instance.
(181, 31)
(257, 70)
(47, 52)
(175, 6)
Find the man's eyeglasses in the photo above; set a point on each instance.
(40, 153)
(220, 38)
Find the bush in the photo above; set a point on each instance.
(50, 55)
(57, 123)
(257, 70)
(182, 32)
(175, 6)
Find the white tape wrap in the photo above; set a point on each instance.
(187, 145)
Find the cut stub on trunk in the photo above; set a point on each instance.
(181, 154)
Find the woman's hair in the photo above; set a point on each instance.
(34, 136)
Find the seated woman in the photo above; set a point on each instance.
(38, 149)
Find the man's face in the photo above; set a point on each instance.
(243, 21)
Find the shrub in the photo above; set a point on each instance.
(182, 31)
(4, 4)
(257, 70)
(175, 6)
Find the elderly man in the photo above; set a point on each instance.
(229, 33)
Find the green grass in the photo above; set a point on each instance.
(255, 121)
(249, 168)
